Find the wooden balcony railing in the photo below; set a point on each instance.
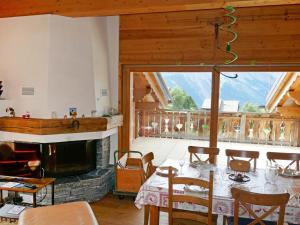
(233, 127)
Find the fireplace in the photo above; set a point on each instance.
(78, 165)
(68, 158)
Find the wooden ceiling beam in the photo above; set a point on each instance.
(295, 95)
(147, 105)
(10, 8)
(289, 111)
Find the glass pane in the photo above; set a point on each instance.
(172, 111)
(248, 114)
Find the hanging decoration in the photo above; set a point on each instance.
(227, 28)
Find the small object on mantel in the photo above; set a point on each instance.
(73, 114)
(11, 111)
(93, 113)
(26, 115)
(83, 116)
(65, 116)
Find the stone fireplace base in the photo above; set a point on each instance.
(88, 187)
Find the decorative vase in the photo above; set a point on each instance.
(179, 126)
(166, 125)
(250, 133)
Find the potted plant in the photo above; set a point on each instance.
(251, 126)
(223, 129)
(282, 131)
(204, 128)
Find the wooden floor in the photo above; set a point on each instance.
(113, 211)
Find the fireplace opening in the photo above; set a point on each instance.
(69, 158)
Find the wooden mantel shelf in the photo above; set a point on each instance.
(58, 126)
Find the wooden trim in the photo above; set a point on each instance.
(125, 110)
(215, 92)
(120, 107)
(209, 68)
(118, 7)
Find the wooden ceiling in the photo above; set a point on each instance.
(266, 35)
(182, 31)
(9, 8)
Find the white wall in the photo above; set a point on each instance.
(101, 60)
(71, 74)
(113, 55)
(68, 62)
(24, 62)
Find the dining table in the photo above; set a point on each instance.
(154, 192)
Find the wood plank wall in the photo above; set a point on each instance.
(266, 35)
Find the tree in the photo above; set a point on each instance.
(181, 100)
(250, 107)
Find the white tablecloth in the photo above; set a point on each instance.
(155, 191)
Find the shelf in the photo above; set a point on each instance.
(58, 126)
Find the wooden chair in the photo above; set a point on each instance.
(233, 154)
(148, 171)
(184, 215)
(240, 165)
(195, 151)
(293, 157)
(244, 198)
(148, 165)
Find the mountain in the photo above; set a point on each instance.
(250, 87)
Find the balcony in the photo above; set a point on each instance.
(169, 133)
(251, 128)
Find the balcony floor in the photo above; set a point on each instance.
(164, 148)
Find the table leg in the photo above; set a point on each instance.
(52, 194)
(154, 215)
(34, 200)
(146, 214)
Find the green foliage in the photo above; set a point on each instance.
(250, 107)
(181, 100)
(251, 124)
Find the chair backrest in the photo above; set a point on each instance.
(195, 151)
(274, 201)
(148, 165)
(250, 155)
(239, 165)
(198, 200)
(293, 157)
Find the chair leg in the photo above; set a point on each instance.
(146, 214)
(224, 220)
